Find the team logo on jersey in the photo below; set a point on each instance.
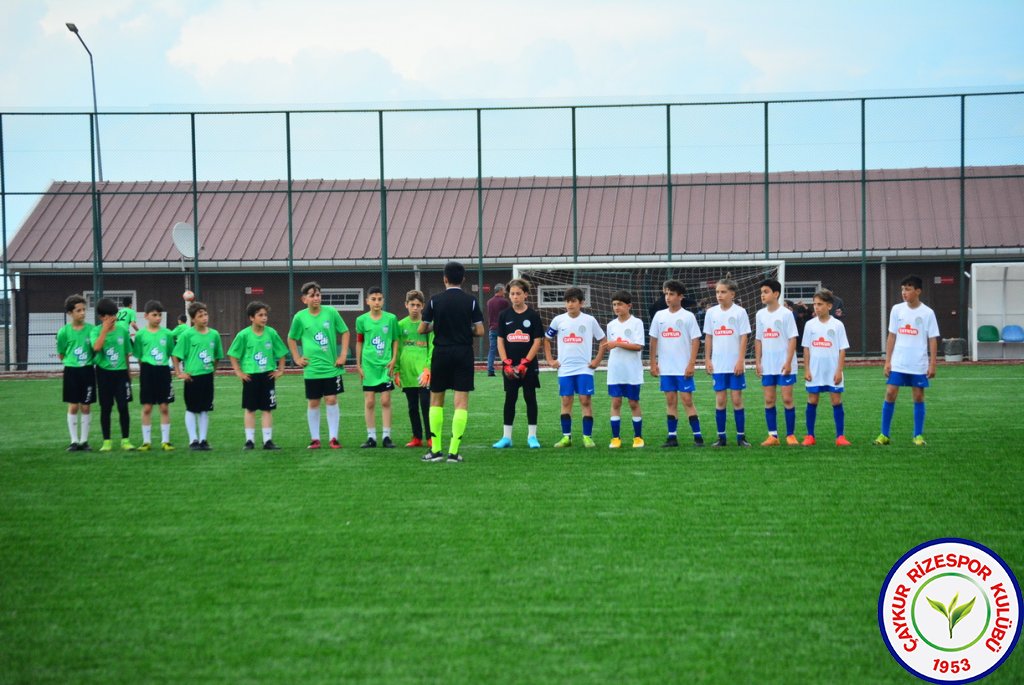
(821, 342)
(724, 330)
(771, 333)
(526, 323)
(321, 340)
(949, 611)
(572, 339)
(671, 333)
(378, 344)
(81, 355)
(518, 337)
(260, 359)
(907, 329)
(156, 354)
(206, 358)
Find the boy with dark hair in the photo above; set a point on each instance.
(825, 346)
(911, 352)
(726, 329)
(455, 318)
(675, 342)
(180, 328)
(75, 353)
(376, 354)
(322, 360)
(112, 345)
(195, 360)
(575, 333)
(126, 314)
(152, 347)
(625, 340)
(520, 333)
(413, 366)
(257, 356)
(775, 360)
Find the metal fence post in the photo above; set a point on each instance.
(963, 218)
(97, 220)
(863, 229)
(195, 211)
(767, 183)
(480, 221)
(575, 214)
(383, 210)
(668, 178)
(3, 226)
(291, 241)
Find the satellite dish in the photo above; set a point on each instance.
(182, 235)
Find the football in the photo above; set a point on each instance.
(188, 296)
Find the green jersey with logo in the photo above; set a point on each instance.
(318, 338)
(127, 316)
(178, 330)
(153, 347)
(199, 352)
(414, 351)
(379, 336)
(75, 345)
(117, 347)
(257, 353)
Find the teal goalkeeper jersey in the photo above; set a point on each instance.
(318, 338)
(199, 352)
(75, 346)
(379, 336)
(414, 351)
(117, 347)
(153, 347)
(257, 353)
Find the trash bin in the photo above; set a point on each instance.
(954, 349)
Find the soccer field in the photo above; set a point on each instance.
(517, 566)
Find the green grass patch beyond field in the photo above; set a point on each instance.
(518, 566)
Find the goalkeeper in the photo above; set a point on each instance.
(520, 333)
(413, 366)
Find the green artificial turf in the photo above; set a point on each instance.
(517, 566)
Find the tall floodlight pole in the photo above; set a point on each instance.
(95, 107)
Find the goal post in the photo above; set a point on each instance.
(643, 280)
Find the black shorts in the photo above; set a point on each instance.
(155, 385)
(530, 380)
(199, 393)
(113, 386)
(259, 393)
(451, 368)
(324, 387)
(383, 387)
(79, 384)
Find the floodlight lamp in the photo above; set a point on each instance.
(71, 27)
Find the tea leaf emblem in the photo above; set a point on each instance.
(954, 614)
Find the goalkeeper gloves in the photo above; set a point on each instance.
(507, 368)
(524, 364)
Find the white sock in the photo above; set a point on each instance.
(371, 433)
(165, 432)
(268, 433)
(73, 427)
(507, 431)
(147, 434)
(190, 426)
(313, 419)
(84, 430)
(204, 425)
(387, 431)
(333, 419)
(250, 435)
(533, 430)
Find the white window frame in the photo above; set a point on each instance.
(356, 306)
(787, 290)
(553, 296)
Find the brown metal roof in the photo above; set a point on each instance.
(810, 214)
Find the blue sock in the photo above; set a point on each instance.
(741, 422)
(812, 414)
(772, 419)
(888, 409)
(588, 425)
(638, 426)
(720, 422)
(918, 419)
(839, 416)
(790, 420)
(566, 424)
(695, 426)
(673, 424)
(616, 424)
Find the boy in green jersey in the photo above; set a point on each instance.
(376, 354)
(152, 347)
(195, 360)
(126, 314)
(75, 352)
(180, 328)
(112, 345)
(257, 356)
(413, 367)
(317, 329)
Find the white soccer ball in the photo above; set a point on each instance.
(188, 296)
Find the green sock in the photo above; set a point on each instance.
(459, 421)
(436, 423)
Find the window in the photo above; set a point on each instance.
(800, 291)
(115, 295)
(553, 296)
(343, 299)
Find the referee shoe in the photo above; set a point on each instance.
(432, 456)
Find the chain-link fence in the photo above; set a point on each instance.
(852, 193)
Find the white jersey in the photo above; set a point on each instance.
(575, 338)
(626, 366)
(726, 326)
(825, 340)
(775, 330)
(675, 332)
(912, 327)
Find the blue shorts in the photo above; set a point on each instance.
(678, 384)
(912, 380)
(580, 384)
(630, 392)
(818, 389)
(778, 379)
(730, 381)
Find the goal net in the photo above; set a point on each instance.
(643, 280)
